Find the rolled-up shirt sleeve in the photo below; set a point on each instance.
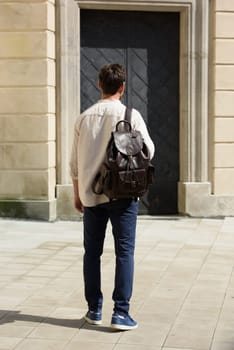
(74, 154)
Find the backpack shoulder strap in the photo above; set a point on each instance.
(128, 113)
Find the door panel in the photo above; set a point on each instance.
(147, 43)
(91, 61)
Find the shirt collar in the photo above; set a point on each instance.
(108, 100)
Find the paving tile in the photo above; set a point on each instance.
(74, 345)
(75, 302)
(162, 308)
(34, 280)
(175, 292)
(11, 292)
(70, 254)
(41, 344)
(97, 334)
(21, 319)
(68, 312)
(37, 300)
(223, 337)
(227, 314)
(200, 311)
(20, 285)
(9, 343)
(213, 280)
(217, 268)
(134, 347)
(9, 330)
(69, 275)
(3, 284)
(147, 334)
(56, 262)
(6, 270)
(172, 281)
(64, 330)
(43, 298)
(8, 278)
(5, 259)
(223, 345)
(43, 273)
(44, 252)
(27, 259)
(66, 284)
(15, 267)
(224, 333)
(206, 294)
(3, 313)
(157, 320)
(11, 301)
(163, 348)
(190, 334)
(56, 268)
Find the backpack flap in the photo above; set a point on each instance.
(128, 143)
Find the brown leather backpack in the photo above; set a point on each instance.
(127, 171)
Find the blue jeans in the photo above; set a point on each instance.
(123, 215)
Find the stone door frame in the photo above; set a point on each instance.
(194, 186)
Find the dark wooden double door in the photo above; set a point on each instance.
(147, 43)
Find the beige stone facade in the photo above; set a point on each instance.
(223, 162)
(39, 100)
(27, 109)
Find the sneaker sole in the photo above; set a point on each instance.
(122, 327)
(92, 322)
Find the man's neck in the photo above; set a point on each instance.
(116, 96)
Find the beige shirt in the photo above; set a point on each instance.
(92, 133)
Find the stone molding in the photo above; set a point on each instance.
(196, 201)
(68, 82)
(29, 209)
(194, 40)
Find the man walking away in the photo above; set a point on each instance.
(92, 133)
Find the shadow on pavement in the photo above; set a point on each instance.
(8, 316)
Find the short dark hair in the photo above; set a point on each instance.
(111, 77)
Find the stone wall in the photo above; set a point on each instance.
(27, 106)
(223, 162)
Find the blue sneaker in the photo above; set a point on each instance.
(123, 322)
(93, 317)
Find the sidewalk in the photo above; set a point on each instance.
(183, 294)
